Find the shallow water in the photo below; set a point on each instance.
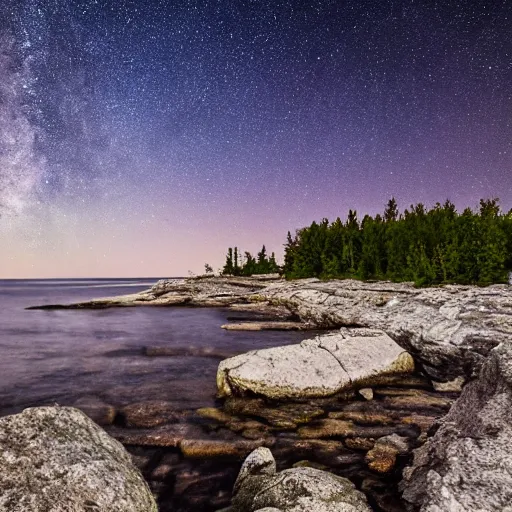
(59, 356)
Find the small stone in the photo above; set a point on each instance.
(382, 457)
(454, 385)
(366, 393)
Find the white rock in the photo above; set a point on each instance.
(317, 367)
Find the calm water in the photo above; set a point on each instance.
(49, 357)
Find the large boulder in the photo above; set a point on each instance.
(467, 464)
(316, 367)
(449, 329)
(303, 489)
(56, 458)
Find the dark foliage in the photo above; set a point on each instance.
(425, 246)
(247, 265)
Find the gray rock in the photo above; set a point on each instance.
(259, 488)
(449, 329)
(467, 464)
(316, 367)
(56, 458)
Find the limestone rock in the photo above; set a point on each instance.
(303, 489)
(56, 458)
(449, 329)
(467, 464)
(316, 367)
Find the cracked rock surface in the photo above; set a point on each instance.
(316, 367)
(467, 464)
(259, 488)
(449, 329)
(56, 458)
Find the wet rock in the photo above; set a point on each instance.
(359, 443)
(265, 326)
(56, 458)
(211, 352)
(424, 422)
(467, 464)
(99, 411)
(168, 436)
(418, 402)
(362, 418)
(339, 428)
(212, 448)
(327, 428)
(302, 448)
(215, 414)
(149, 414)
(302, 489)
(317, 367)
(282, 416)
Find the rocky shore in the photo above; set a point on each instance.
(375, 400)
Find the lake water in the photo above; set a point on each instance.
(60, 356)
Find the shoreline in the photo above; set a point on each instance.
(453, 333)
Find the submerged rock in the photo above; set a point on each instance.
(316, 367)
(56, 458)
(259, 488)
(99, 411)
(467, 464)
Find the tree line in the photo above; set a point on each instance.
(238, 264)
(426, 246)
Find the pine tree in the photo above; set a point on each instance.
(228, 266)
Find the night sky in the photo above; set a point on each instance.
(142, 138)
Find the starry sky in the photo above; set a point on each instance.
(142, 138)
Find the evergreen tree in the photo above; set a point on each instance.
(228, 266)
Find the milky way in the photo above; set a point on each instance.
(143, 138)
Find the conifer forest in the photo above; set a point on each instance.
(427, 246)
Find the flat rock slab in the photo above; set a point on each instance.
(317, 367)
(56, 458)
(265, 326)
